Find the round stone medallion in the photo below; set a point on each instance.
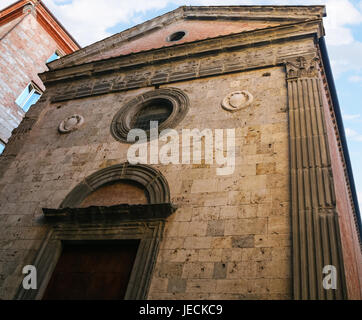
(71, 123)
(237, 100)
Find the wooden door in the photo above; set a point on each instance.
(92, 271)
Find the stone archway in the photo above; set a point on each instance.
(76, 223)
(150, 179)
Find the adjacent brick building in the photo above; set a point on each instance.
(71, 203)
(29, 36)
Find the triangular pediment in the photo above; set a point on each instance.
(195, 24)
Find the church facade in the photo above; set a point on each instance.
(283, 223)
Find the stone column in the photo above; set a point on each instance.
(315, 226)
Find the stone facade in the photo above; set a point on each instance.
(231, 237)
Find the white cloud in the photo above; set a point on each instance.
(355, 79)
(5, 3)
(359, 196)
(340, 15)
(88, 20)
(346, 58)
(351, 116)
(353, 135)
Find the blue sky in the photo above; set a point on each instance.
(92, 20)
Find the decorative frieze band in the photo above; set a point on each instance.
(315, 226)
(246, 59)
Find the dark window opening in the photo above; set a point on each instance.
(177, 36)
(157, 110)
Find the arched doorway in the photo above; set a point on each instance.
(104, 238)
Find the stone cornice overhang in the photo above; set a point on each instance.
(283, 14)
(237, 41)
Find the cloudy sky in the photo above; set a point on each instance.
(92, 20)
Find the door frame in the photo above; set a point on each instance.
(99, 224)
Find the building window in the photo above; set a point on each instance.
(29, 96)
(156, 110)
(55, 56)
(167, 106)
(176, 36)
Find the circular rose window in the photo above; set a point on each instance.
(167, 106)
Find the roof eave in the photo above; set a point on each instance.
(46, 19)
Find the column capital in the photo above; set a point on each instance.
(302, 67)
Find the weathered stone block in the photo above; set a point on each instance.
(198, 242)
(243, 242)
(221, 242)
(176, 285)
(244, 269)
(202, 286)
(220, 270)
(231, 286)
(208, 255)
(265, 168)
(199, 270)
(169, 270)
(246, 226)
(215, 228)
(279, 225)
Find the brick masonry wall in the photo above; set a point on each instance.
(195, 30)
(230, 237)
(23, 53)
(352, 255)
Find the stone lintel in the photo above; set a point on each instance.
(121, 212)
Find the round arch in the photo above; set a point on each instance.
(150, 179)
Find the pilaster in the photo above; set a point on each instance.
(315, 226)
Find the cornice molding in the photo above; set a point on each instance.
(220, 44)
(288, 14)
